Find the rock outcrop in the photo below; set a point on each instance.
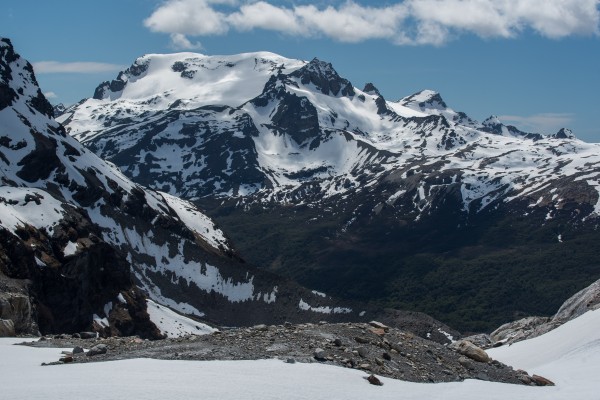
(7, 328)
(585, 300)
(471, 351)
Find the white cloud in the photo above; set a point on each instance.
(57, 67)
(541, 123)
(50, 95)
(414, 22)
(181, 42)
(263, 15)
(352, 22)
(188, 17)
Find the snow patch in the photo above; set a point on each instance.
(173, 324)
(323, 309)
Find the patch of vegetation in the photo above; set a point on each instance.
(472, 274)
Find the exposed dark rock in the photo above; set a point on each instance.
(41, 162)
(319, 354)
(564, 133)
(96, 350)
(297, 117)
(412, 359)
(7, 328)
(373, 380)
(371, 89)
(324, 77)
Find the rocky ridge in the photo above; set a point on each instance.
(373, 348)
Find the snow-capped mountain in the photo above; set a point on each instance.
(385, 179)
(78, 227)
(258, 123)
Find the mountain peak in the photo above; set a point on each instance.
(18, 82)
(324, 77)
(109, 89)
(5, 42)
(491, 121)
(564, 133)
(371, 89)
(424, 100)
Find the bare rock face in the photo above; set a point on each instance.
(468, 349)
(7, 328)
(521, 329)
(581, 302)
(41, 290)
(16, 307)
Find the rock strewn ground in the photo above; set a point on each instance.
(376, 350)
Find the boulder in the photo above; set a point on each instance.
(373, 380)
(541, 381)
(379, 325)
(466, 362)
(97, 349)
(319, 354)
(468, 349)
(7, 328)
(362, 351)
(481, 340)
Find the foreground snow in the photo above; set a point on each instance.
(569, 356)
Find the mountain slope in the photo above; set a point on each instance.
(83, 227)
(405, 203)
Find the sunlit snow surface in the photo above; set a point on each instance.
(570, 356)
(25, 206)
(174, 325)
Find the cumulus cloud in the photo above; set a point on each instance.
(57, 67)
(408, 22)
(188, 17)
(50, 95)
(181, 42)
(543, 123)
(262, 15)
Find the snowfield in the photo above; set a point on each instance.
(569, 355)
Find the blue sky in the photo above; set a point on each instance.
(535, 63)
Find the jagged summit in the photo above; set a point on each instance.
(564, 133)
(424, 100)
(493, 125)
(324, 77)
(491, 121)
(371, 89)
(18, 83)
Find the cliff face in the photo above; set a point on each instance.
(44, 291)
